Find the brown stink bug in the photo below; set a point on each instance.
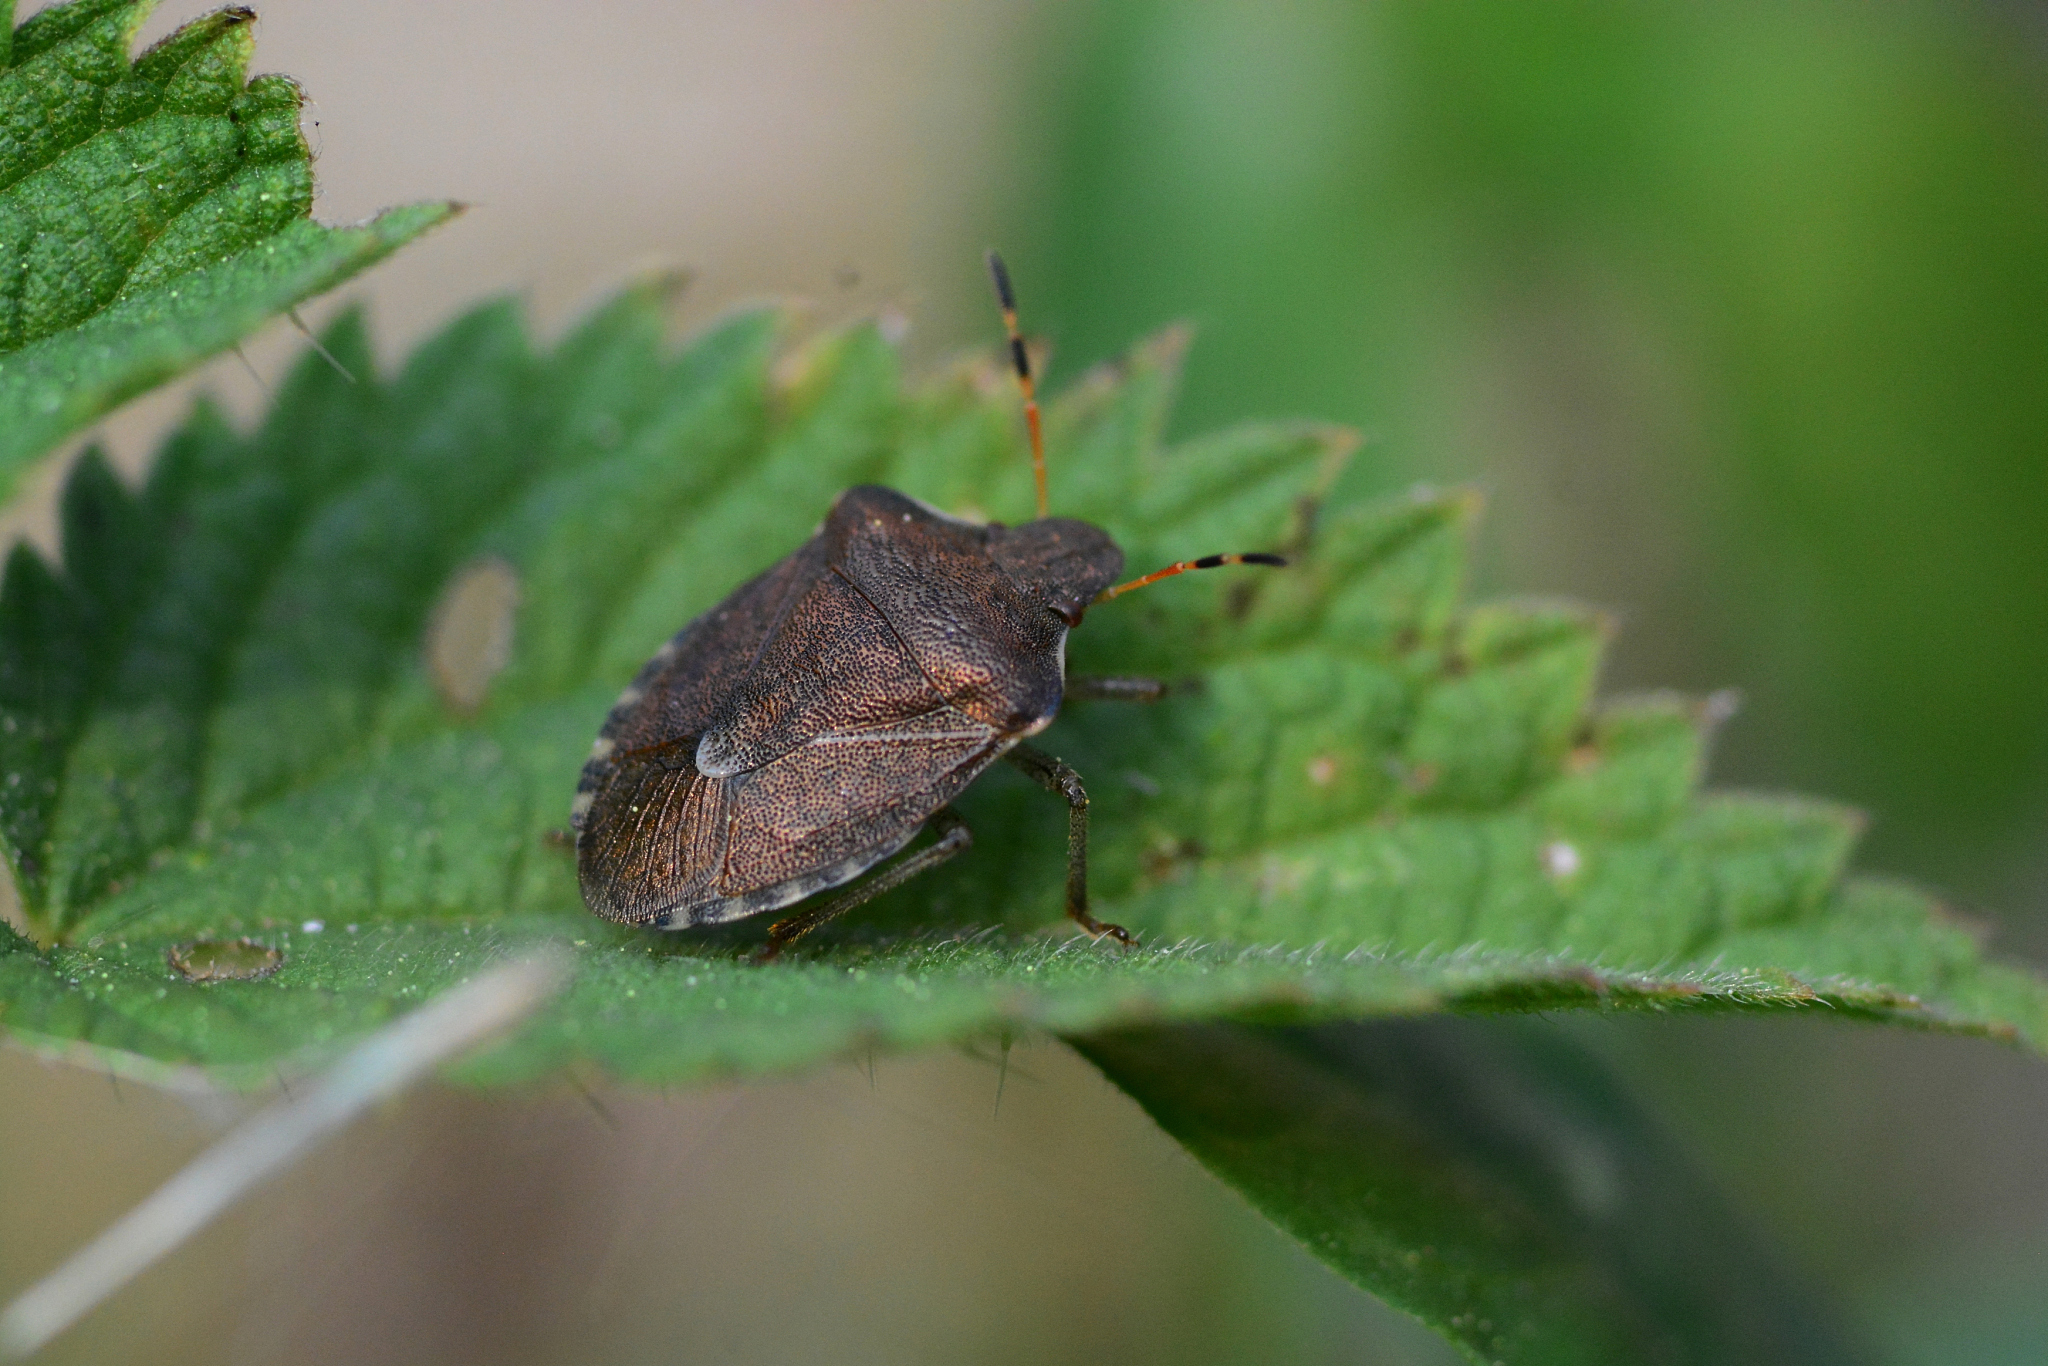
(811, 724)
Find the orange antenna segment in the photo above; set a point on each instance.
(1183, 566)
(1021, 362)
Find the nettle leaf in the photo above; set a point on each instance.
(152, 212)
(1486, 1176)
(224, 718)
(307, 711)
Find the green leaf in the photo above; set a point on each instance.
(256, 801)
(231, 714)
(152, 212)
(1488, 1178)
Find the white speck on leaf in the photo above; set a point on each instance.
(1560, 860)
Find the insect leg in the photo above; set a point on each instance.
(1056, 776)
(1097, 688)
(954, 836)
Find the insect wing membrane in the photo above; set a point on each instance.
(654, 836)
(649, 828)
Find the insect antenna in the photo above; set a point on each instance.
(1183, 566)
(1020, 361)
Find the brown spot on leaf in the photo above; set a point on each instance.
(469, 639)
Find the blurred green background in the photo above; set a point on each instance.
(1739, 313)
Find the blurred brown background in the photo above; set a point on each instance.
(1739, 311)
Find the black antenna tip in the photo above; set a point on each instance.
(1260, 557)
(1001, 274)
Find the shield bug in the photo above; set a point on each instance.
(810, 725)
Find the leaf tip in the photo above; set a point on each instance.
(1466, 503)
(1717, 708)
(1167, 348)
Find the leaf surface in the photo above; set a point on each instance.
(223, 718)
(152, 212)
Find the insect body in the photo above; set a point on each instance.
(810, 725)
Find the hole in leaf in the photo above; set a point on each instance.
(224, 960)
(469, 636)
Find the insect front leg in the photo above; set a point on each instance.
(1056, 776)
(954, 836)
(1098, 688)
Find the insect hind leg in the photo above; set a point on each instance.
(1056, 776)
(954, 838)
